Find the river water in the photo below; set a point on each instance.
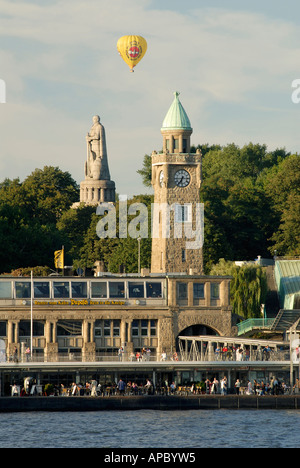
(151, 429)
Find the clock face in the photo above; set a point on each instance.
(161, 178)
(182, 178)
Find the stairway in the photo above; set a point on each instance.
(285, 319)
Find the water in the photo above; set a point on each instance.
(151, 429)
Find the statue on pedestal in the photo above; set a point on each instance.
(97, 186)
(96, 166)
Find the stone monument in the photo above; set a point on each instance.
(97, 186)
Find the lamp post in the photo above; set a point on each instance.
(139, 254)
(31, 316)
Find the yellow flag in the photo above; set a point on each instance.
(59, 259)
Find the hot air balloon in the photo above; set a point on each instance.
(132, 49)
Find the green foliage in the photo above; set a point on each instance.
(248, 287)
(252, 207)
(29, 212)
(49, 389)
(240, 215)
(36, 271)
(251, 201)
(282, 186)
(146, 170)
(116, 252)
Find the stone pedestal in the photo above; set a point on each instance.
(93, 192)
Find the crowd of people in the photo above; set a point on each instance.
(239, 353)
(209, 386)
(94, 388)
(274, 387)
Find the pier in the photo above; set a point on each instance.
(150, 402)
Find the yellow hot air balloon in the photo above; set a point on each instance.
(132, 49)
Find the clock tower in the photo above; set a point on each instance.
(177, 215)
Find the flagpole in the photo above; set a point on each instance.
(31, 316)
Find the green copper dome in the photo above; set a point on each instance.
(176, 118)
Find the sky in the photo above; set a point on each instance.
(232, 61)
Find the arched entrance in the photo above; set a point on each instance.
(196, 330)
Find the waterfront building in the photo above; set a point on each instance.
(175, 316)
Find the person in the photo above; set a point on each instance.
(217, 353)
(74, 389)
(207, 386)
(163, 356)
(272, 386)
(121, 387)
(249, 388)
(296, 387)
(93, 388)
(134, 388)
(138, 356)
(276, 386)
(215, 385)
(14, 390)
(239, 354)
(148, 386)
(148, 353)
(237, 386)
(266, 353)
(27, 353)
(120, 353)
(224, 352)
(173, 388)
(224, 386)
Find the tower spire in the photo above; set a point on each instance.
(176, 128)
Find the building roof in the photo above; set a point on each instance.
(287, 275)
(176, 118)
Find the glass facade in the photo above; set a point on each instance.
(41, 289)
(61, 289)
(198, 289)
(6, 290)
(98, 290)
(23, 289)
(117, 289)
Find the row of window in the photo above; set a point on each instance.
(102, 328)
(76, 289)
(198, 291)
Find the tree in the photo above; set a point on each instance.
(248, 287)
(29, 211)
(146, 171)
(73, 226)
(237, 208)
(282, 186)
(51, 192)
(116, 252)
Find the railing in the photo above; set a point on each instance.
(212, 356)
(250, 324)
